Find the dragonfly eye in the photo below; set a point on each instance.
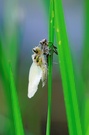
(37, 60)
(35, 51)
(35, 57)
(43, 41)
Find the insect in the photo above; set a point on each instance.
(46, 50)
(38, 69)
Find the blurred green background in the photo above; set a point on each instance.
(23, 23)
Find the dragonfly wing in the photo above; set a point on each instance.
(35, 75)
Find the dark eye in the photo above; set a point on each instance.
(37, 60)
(35, 51)
(35, 57)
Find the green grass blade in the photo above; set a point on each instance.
(87, 132)
(4, 71)
(11, 96)
(80, 91)
(86, 116)
(85, 63)
(66, 67)
(50, 59)
(15, 106)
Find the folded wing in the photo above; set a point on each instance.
(35, 75)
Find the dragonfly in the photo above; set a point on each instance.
(39, 67)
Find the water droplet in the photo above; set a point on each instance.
(57, 30)
(59, 42)
(51, 21)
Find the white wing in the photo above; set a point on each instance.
(35, 75)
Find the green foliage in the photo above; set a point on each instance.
(50, 59)
(85, 66)
(73, 83)
(67, 73)
(9, 49)
(16, 127)
(15, 106)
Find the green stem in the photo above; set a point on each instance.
(50, 59)
(18, 126)
(67, 73)
(87, 132)
(85, 65)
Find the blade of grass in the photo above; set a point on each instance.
(10, 92)
(87, 131)
(80, 87)
(86, 116)
(50, 59)
(15, 106)
(66, 67)
(4, 74)
(85, 64)
(4, 71)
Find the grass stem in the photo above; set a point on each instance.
(50, 61)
